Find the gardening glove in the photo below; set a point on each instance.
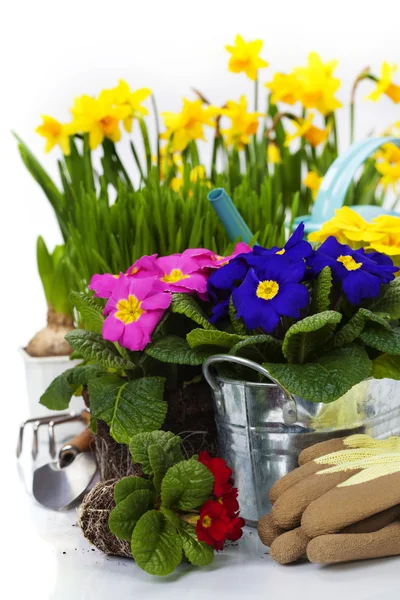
(342, 503)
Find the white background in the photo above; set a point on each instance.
(52, 51)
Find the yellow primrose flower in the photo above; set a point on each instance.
(284, 88)
(99, 117)
(123, 96)
(389, 152)
(55, 134)
(313, 181)
(304, 128)
(389, 228)
(245, 57)
(188, 125)
(318, 85)
(243, 123)
(348, 227)
(385, 86)
(273, 154)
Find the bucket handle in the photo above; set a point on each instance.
(289, 407)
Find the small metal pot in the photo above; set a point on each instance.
(262, 428)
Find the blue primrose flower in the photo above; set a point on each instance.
(221, 283)
(361, 274)
(270, 292)
(295, 248)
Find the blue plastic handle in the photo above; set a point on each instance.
(339, 176)
(229, 216)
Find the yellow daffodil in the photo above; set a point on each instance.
(389, 153)
(243, 123)
(304, 128)
(313, 181)
(188, 125)
(318, 85)
(123, 96)
(245, 57)
(99, 117)
(348, 227)
(390, 173)
(385, 86)
(284, 88)
(198, 173)
(273, 154)
(55, 134)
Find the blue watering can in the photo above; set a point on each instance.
(331, 194)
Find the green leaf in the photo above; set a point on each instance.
(125, 486)
(171, 516)
(58, 394)
(125, 515)
(321, 295)
(309, 334)
(238, 323)
(45, 267)
(82, 374)
(160, 462)
(352, 330)
(386, 366)
(128, 407)
(198, 553)
(89, 311)
(92, 347)
(254, 340)
(140, 444)
(156, 545)
(385, 341)
(187, 305)
(328, 377)
(176, 350)
(201, 337)
(187, 485)
(389, 300)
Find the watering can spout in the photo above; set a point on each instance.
(229, 216)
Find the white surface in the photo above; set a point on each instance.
(47, 558)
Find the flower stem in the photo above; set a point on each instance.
(364, 73)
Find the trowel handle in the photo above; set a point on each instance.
(80, 443)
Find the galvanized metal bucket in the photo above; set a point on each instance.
(262, 428)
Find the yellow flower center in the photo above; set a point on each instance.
(134, 270)
(206, 521)
(175, 276)
(108, 124)
(129, 310)
(267, 289)
(349, 262)
(281, 251)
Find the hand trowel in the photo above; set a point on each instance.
(59, 484)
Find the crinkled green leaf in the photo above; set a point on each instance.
(139, 447)
(156, 545)
(89, 311)
(273, 345)
(385, 341)
(128, 407)
(202, 337)
(328, 377)
(171, 516)
(82, 374)
(125, 515)
(386, 366)
(176, 350)
(322, 289)
(187, 305)
(389, 300)
(308, 335)
(238, 323)
(187, 485)
(58, 394)
(92, 347)
(125, 486)
(160, 462)
(198, 553)
(352, 330)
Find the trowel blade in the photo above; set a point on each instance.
(57, 488)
